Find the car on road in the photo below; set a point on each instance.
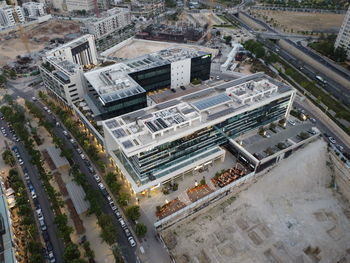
(42, 224)
(97, 178)
(332, 140)
(79, 151)
(127, 232)
(117, 214)
(20, 161)
(72, 141)
(33, 194)
(312, 132)
(291, 122)
(113, 207)
(109, 199)
(65, 133)
(101, 186)
(217, 77)
(82, 156)
(26, 176)
(46, 108)
(45, 235)
(49, 247)
(57, 123)
(91, 169)
(122, 222)
(40, 214)
(313, 120)
(34, 99)
(340, 148)
(132, 241)
(51, 257)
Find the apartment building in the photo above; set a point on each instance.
(79, 5)
(343, 38)
(154, 145)
(80, 51)
(33, 9)
(8, 16)
(63, 79)
(108, 23)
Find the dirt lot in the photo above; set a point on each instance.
(202, 18)
(139, 47)
(9, 49)
(289, 215)
(301, 21)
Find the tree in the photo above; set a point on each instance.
(228, 39)
(8, 158)
(133, 212)
(123, 199)
(71, 252)
(340, 54)
(141, 230)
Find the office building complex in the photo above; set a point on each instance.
(156, 144)
(343, 38)
(122, 87)
(33, 9)
(63, 79)
(79, 5)
(109, 22)
(8, 16)
(80, 51)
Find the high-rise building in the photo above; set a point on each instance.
(343, 38)
(165, 141)
(33, 9)
(80, 51)
(7, 16)
(108, 23)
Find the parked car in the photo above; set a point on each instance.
(122, 222)
(313, 120)
(101, 186)
(109, 199)
(117, 214)
(311, 132)
(46, 236)
(34, 99)
(33, 194)
(113, 207)
(40, 214)
(97, 178)
(132, 242)
(51, 257)
(332, 140)
(79, 151)
(42, 225)
(82, 156)
(127, 232)
(91, 169)
(291, 122)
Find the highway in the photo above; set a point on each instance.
(127, 251)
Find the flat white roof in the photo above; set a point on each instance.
(146, 128)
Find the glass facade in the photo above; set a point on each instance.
(154, 78)
(155, 163)
(200, 67)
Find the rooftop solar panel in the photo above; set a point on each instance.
(118, 133)
(211, 102)
(220, 114)
(112, 124)
(198, 94)
(167, 104)
(127, 144)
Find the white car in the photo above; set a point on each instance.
(101, 186)
(42, 225)
(82, 156)
(46, 108)
(292, 122)
(332, 140)
(51, 257)
(72, 140)
(122, 222)
(132, 242)
(40, 214)
(97, 178)
(34, 99)
(33, 194)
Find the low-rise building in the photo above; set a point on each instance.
(157, 144)
(108, 23)
(80, 5)
(33, 9)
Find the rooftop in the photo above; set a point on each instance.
(71, 44)
(138, 131)
(105, 15)
(113, 82)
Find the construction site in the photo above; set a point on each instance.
(38, 38)
(293, 213)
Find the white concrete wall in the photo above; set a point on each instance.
(180, 73)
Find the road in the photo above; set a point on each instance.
(127, 250)
(57, 243)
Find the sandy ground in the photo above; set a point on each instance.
(289, 215)
(203, 18)
(139, 47)
(301, 21)
(44, 32)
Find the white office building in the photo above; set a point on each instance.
(33, 9)
(79, 5)
(7, 15)
(63, 79)
(343, 39)
(108, 23)
(80, 51)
